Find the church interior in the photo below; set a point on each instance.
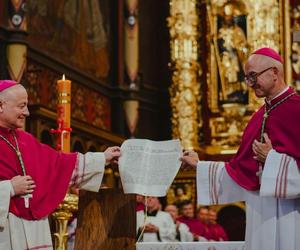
(150, 69)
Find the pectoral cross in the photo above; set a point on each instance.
(26, 199)
(259, 172)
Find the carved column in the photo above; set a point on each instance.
(17, 47)
(185, 89)
(131, 37)
(285, 30)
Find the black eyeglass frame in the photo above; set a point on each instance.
(251, 78)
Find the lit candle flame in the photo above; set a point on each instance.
(63, 77)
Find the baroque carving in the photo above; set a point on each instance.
(236, 28)
(184, 91)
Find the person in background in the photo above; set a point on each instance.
(187, 217)
(215, 231)
(202, 214)
(140, 202)
(153, 225)
(182, 231)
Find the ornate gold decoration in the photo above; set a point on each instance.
(229, 51)
(61, 216)
(236, 27)
(264, 30)
(285, 31)
(182, 190)
(184, 91)
(227, 130)
(295, 50)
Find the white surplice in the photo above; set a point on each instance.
(185, 234)
(163, 221)
(273, 212)
(20, 234)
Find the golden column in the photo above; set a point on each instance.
(184, 92)
(70, 204)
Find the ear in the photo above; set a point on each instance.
(1, 106)
(275, 70)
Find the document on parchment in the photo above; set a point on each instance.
(149, 167)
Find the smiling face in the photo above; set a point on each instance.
(13, 107)
(188, 210)
(268, 83)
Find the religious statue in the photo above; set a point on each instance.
(232, 53)
(179, 193)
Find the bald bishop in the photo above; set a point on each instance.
(265, 170)
(34, 178)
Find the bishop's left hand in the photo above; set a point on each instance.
(112, 154)
(189, 159)
(261, 150)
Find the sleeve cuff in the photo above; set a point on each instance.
(12, 191)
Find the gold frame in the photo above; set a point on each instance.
(257, 36)
(265, 22)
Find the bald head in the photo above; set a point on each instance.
(260, 62)
(269, 75)
(172, 210)
(13, 92)
(13, 107)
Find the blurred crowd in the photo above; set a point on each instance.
(176, 222)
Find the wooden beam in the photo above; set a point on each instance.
(296, 36)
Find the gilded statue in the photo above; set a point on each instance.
(179, 193)
(232, 53)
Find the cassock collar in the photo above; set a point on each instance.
(153, 213)
(6, 131)
(280, 96)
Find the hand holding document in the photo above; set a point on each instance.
(149, 167)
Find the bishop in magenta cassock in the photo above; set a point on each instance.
(265, 170)
(34, 178)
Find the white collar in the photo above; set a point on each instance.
(283, 91)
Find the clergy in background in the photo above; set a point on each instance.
(182, 230)
(154, 225)
(34, 178)
(265, 170)
(187, 217)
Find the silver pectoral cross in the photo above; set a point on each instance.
(26, 199)
(259, 173)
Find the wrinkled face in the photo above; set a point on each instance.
(188, 211)
(265, 82)
(172, 210)
(203, 215)
(13, 107)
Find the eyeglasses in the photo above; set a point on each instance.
(251, 78)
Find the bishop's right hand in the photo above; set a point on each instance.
(112, 154)
(22, 185)
(189, 159)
